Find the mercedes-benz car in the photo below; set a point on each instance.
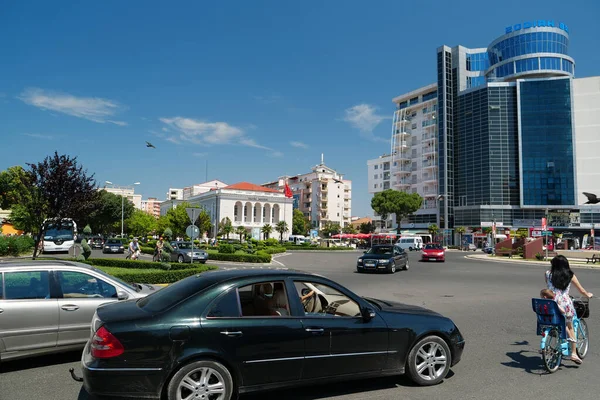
(218, 334)
(383, 257)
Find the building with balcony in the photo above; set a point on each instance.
(174, 194)
(126, 191)
(151, 206)
(323, 195)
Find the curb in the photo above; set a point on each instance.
(573, 263)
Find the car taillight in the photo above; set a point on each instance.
(105, 345)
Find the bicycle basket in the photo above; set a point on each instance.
(582, 307)
(548, 314)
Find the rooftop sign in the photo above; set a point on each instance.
(536, 23)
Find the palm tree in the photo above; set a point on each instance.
(226, 227)
(282, 228)
(266, 230)
(433, 231)
(461, 230)
(240, 230)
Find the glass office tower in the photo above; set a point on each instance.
(505, 128)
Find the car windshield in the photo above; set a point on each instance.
(129, 285)
(381, 250)
(113, 241)
(433, 246)
(184, 245)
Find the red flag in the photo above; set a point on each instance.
(288, 191)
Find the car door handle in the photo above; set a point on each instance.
(1, 311)
(232, 334)
(70, 307)
(315, 330)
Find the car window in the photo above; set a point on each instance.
(380, 250)
(80, 285)
(226, 306)
(264, 299)
(184, 245)
(1, 286)
(324, 301)
(114, 241)
(26, 285)
(169, 296)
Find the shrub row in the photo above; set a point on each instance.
(154, 276)
(273, 250)
(138, 264)
(15, 245)
(259, 257)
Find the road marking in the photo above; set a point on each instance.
(279, 256)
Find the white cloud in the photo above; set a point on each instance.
(276, 154)
(209, 133)
(39, 136)
(91, 108)
(299, 145)
(173, 139)
(365, 118)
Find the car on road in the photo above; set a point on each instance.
(433, 252)
(182, 252)
(383, 257)
(218, 334)
(113, 246)
(97, 243)
(47, 306)
(489, 250)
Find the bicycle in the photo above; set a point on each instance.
(157, 255)
(551, 325)
(132, 255)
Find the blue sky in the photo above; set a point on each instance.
(258, 89)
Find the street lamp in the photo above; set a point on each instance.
(439, 217)
(122, 200)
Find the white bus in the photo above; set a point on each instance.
(59, 235)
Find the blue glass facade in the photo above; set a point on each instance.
(528, 43)
(477, 61)
(547, 156)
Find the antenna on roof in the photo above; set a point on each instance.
(322, 159)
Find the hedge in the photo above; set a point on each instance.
(154, 276)
(273, 250)
(259, 257)
(15, 245)
(137, 264)
(295, 247)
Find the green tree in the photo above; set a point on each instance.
(349, 229)
(299, 223)
(225, 227)
(266, 231)
(87, 231)
(162, 223)
(168, 234)
(281, 227)
(14, 186)
(395, 202)
(106, 218)
(461, 231)
(329, 229)
(433, 230)
(178, 220)
(240, 230)
(367, 227)
(141, 223)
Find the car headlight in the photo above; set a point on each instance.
(359, 261)
(106, 247)
(189, 253)
(384, 261)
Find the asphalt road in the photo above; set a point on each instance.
(489, 301)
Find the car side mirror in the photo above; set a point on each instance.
(367, 314)
(365, 252)
(122, 295)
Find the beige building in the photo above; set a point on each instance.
(322, 195)
(126, 191)
(152, 206)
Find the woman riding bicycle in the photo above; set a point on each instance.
(559, 279)
(159, 248)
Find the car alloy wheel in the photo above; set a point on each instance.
(406, 266)
(429, 361)
(180, 259)
(201, 380)
(393, 268)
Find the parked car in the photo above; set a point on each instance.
(113, 246)
(470, 247)
(47, 306)
(410, 243)
(97, 243)
(383, 257)
(217, 334)
(433, 252)
(182, 252)
(489, 250)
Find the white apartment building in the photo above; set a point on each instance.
(411, 165)
(322, 195)
(174, 194)
(126, 191)
(195, 190)
(248, 205)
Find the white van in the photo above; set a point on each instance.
(410, 243)
(298, 239)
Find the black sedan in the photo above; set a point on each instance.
(383, 257)
(97, 243)
(113, 246)
(217, 334)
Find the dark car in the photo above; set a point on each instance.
(113, 246)
(182, 252)
(217, 334)
(97, 243)
(383, 257)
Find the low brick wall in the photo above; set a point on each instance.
(532, 248)
(578, 254)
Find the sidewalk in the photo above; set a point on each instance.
(574, 262)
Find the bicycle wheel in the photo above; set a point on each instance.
(583, 339)
(552, 353)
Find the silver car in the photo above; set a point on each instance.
(47, 306)
(182, 252)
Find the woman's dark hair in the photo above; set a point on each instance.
(561, 272)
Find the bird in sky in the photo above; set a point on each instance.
(592, 198)
(148, 144)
